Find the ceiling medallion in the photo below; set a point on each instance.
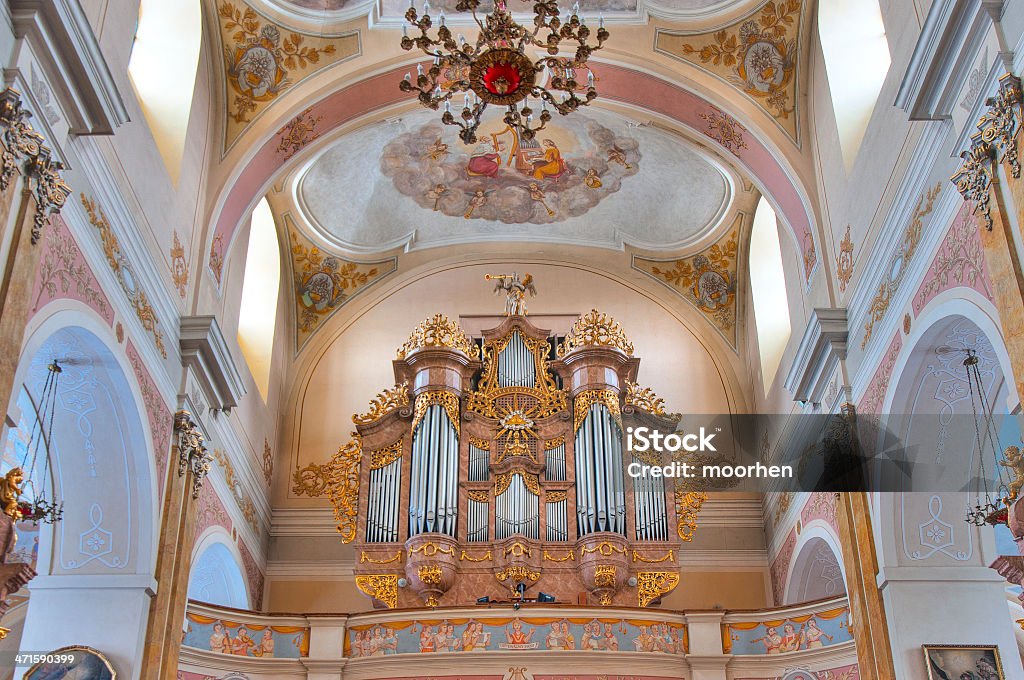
(497, 70)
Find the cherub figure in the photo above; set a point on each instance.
(537, 195)
(477, 200)
(437, 150)
(436, 193)
(10, 490)
(1015, 461)
(617, 155)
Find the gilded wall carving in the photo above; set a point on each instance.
(758, 55)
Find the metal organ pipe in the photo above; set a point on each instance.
(477, 529)
(478, 463)
(554, 461)
(434, 475)
(516, 365)
(600, 491)
(517, 511)
(382, 522)
(649, 501)
(556, 526)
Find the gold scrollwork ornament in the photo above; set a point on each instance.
(386, 456)
(650, 585)
(384, 403)
(595, 329)
(343, 486)
(382, 587)
(584, 400)
(438, 331)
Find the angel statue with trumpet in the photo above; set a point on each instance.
(515, 290)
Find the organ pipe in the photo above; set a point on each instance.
(556, 527)
(649, 509)
(478, 521)
(554, 459)
(600, 493)
(433, 490)
(478, 464)
(382, 519)
(517, 511)
(516, 364)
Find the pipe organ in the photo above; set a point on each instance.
(499, 464)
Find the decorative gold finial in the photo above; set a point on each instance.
(515, 290)
(438, 331)
(595, 329)
(10, 491)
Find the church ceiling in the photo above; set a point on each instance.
(594, 179)
(262, 60)
(757, 54)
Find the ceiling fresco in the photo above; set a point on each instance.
(597, 179)
(758, 55)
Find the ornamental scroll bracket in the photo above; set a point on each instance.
(24, 144)
(994, 142)
(192, 455)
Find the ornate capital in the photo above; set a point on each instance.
(23, 144)
(999, 124)
(974, 178)
(192, 454)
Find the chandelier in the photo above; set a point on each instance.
(33, 502)
(496, 68)
(990, 506)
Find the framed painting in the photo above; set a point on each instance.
(963, 662)
(75, 662)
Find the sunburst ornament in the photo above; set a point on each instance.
(516, 422)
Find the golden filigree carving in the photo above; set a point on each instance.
(604, 548)
(126, 276)
(595, 329)
(502, 481)
(20, 141)
(585, 399)
(386, 456)
(482, 444)
(568, 557)
(670, 556)
(540, 401)
(310, 481)
(604, 598)
(438, 331)
(384, 403)
(605, 576)
(550, 444)
(343, 486)
(517, 549)
(555, 496)
(366, 557)
(425, 400)
(465, 556)
(48, 187)
(645, 399)
(429, 574)
(518, 573)
(899, 263)
(479, 496)
(429, 549)
(381, 587)
(688, 505)
(650, 585)
(516, 449)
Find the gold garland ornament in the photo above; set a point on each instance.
(465, 556)
(570, 556)
(518, 574)
(384, 403)
(364, 557)
(650, 585)
(382, 587)
(343, 486)
(595, 329)
(425, 400)
(386, 456)
(584, 400)
(669, 556)
(438, 331)
(604, 548)
(429, 549)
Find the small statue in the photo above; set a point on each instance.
(515, 290)
(10, 490)
(1015, 461)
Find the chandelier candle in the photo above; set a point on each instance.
(497, 68)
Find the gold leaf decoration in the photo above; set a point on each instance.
(381, 587)
(438, 331)
(595, 329)
(430, 575)
(518, 573)
(262, 59)
(365, 557)
(479, 496)
(555, 496)
(688, 505)
(757, 54)
(179, 267)
(386, 456)
(708, 280)
(502, 481)
(670, 556)
(585, 399)
(343, 486)
(429, 549)
(605, 577)
(645, 399)
(310, 481)
(568, 557)
(483, 558)
(482, 444)
(650, 585)
(604, 548)
(324, 282)
(125, 274)
(425, 400)
(554, 443)
(384, 403)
